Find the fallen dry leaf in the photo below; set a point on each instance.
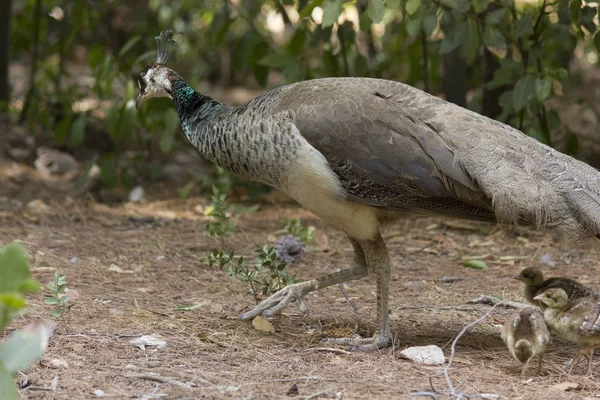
(566, 386)
(148, 340)
(262, 324)
(117, 269)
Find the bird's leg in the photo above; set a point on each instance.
(524, 368)
(576, 360)
(539, 370)
(590, 356)
(277, 302)
(378, 261)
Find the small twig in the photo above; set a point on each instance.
(424, 394)
(446, 373)
(315, 395)
(492, 301)
(161, 379)
(353, 305)
(329, 349)
(425, 306)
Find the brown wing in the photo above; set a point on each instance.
(574, 289)
(383, 156)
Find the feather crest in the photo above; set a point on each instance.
(166, 43)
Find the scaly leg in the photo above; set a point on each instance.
(576, 360)
(378, 261)
(590, 356)
(539, 370)
(277, 302)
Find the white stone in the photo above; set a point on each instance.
(428, 355)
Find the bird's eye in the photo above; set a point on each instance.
(548, 296)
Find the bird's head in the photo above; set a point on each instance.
(530, 276)
(156, 79)
(553, 298)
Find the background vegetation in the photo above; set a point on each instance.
(502, 58)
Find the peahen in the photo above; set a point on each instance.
(359, 152)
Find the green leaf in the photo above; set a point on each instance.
(543, 88)
(29, 286)
(523, 92)
(376, 10)
(128, 45)
(8, 391)
(492, 37)
(13, 300)
(429, 23)
(413, 25)
(331, 12)
(412, 6)
(523, 26)
(450, 3)
(278, 60)
(393, 4)
(78, 131)
(471, 42)
(479, 6)
(50, 300)
(56, 312)
(495, 17)
(62, 129)
(24, 347)
(168, 136)
(14, 268)
(477, 264)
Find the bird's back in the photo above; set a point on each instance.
(526, 325)
(395, 147)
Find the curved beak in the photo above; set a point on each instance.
(538, 297)
(140, 99)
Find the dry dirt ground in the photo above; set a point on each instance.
(157, 245)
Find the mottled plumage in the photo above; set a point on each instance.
(535, 284)
(360, 151)
(526, 336)
(576, 320)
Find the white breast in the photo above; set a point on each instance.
(311, 182)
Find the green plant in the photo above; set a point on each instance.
(277, 277)
(220, 226)
(28, 344)
(294, 227)
(264, 276)
(58, 294)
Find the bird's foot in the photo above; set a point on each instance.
(280, 300)
(358, 343)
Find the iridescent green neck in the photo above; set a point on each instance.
(192, 107)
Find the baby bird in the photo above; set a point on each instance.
(535, 284)
(526, 336)
(575, 320)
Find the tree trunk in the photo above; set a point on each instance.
(5, 5)
(491, 104)
(454, 81)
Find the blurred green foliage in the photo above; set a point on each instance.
(23, 346)
(255, 43)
